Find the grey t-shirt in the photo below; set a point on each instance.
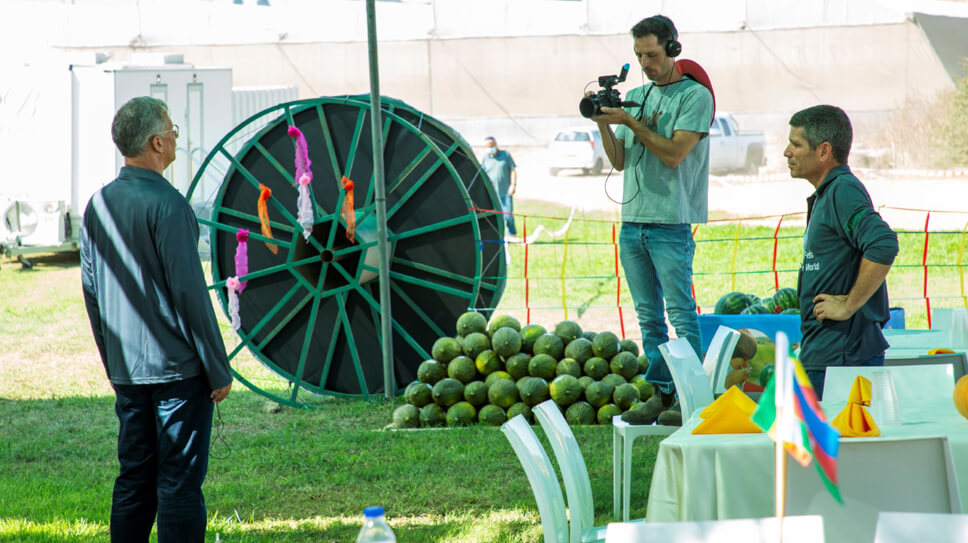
(653, 192)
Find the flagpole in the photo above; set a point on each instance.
(782, 389)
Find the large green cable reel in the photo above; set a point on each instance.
(311, 312)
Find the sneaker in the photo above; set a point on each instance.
(646, 412)
(671, 416)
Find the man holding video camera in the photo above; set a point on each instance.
(663, 151)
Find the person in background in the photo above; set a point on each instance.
(847, 250)
(501, 170)
(155, 330)
(664, 153)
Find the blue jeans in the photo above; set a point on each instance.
(817, 378)
(507, 206)
(657, 259)
(163, 451)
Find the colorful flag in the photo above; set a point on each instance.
(807, 434)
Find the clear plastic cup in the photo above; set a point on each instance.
(884, 404)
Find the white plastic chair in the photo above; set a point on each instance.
(871, 479)
(623, 437)
(692, 386)
(695, 393)
(933, 527)
(541, 476)
(799, 529)
(578, 488)
(718, 355)
(912, 383)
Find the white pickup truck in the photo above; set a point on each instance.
(731, 150)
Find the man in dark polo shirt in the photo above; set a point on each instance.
(847, 250)
(155, 330)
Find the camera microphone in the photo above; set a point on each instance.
(590, 106)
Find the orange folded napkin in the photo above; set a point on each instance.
(729, 414)
(855, 420)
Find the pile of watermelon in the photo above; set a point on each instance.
(491, 372)
(784, 301)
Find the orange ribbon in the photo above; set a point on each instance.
(349, 215)
(264, 195)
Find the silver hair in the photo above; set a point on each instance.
(137, 122)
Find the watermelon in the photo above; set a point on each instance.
(487, 362)
(462, 369)
(599, 393)
(786, 298)
(568, 366)
(529, 334)
(445, 349)
(614, 379)
(550, 345)
(533, 390)
(626, 395)
(607, 411)
(581, 413)
(461, 414)
(506, 342)
(565, 390)
(579, 349)
(756, 309)
(469, 322)
(629, 346)
(418, 394)
(606, 345)
(770, 304)
(432, 415)
(732, 304)
(522, 409)
(475, 393)
(791, 311)
(475, 343)
(431, 371)
(499, 374)
(502, 321)
(406, 416)
(517, 365)
(542, 365)
(448, 391)
(596, 367)
(645, 388)
(491, 415)
(625, 364)
(503, 393)
(589, 335)
(568, 331)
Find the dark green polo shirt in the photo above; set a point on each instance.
(842, 228)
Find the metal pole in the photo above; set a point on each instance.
(376, 122)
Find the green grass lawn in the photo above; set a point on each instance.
(287, 475)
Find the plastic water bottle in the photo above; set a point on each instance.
(375, 528)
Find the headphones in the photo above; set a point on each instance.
(672, 47)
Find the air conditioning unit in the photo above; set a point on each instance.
(35, 223)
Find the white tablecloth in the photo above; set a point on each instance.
(710, 477)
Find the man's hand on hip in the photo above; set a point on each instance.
(831, 306)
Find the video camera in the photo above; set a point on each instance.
(590, 106)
